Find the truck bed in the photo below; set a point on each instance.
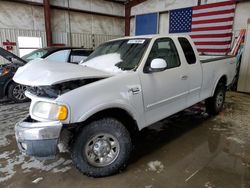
(214, 67)
(210, 58)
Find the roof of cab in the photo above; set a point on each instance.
(150, 36)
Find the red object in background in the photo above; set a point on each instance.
(9, 48)
(9, 45)
(237, 42)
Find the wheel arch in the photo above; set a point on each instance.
(118, 113)
(223, 79)
(7, 85)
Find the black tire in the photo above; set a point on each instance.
(13, 94)
(109, 126)
(214, 105)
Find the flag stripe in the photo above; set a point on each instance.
(212, 24)
(213, 13)
(211, 35)
(214, 50)
(213, 17)
(217, 47)
(219, 39)
(214, 5)
(212, 28)
(210, 32)
(213, 43)
(228, 7)
(203, 50)
(213, 20)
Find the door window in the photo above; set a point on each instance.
(165, 49)
(187, 50)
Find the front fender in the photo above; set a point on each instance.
(113, 92)
(6, 85)
(113, 104)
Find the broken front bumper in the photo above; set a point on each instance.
(38, 139)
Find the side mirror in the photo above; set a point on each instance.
(158, 65)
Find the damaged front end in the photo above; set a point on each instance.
(56, 90)
(52, 79)
(39, 134)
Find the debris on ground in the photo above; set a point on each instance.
(209, 185)
(37, 180)
(155, 166)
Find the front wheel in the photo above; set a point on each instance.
(214, 105)
(16, 92)
(102, 148)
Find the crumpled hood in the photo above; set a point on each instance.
(46, 73)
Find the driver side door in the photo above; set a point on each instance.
(164, 92)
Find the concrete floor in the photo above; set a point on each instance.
(187, 150)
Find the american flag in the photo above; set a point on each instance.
(210, 26)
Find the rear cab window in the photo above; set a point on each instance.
(187, 50)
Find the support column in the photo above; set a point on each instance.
(47, 18)
(127, 19)
(128, 7)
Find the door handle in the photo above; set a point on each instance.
(185, 77)
(134, 90)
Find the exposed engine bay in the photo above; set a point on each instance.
(56, 90)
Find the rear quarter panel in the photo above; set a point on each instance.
(213, 71)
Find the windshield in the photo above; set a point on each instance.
(116, 56)
(35, 54)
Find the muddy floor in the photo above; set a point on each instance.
(190, 149)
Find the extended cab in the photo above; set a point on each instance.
(124, 86)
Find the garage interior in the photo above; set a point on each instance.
(188, 149)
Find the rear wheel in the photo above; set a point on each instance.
(214, 105)
(102, 148)
(16, 92)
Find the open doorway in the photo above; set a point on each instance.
(28, 44)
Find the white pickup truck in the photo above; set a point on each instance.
(124, 86)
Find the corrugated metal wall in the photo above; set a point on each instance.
(81, 39)
(98, 39)
(75, 39)
(12, 36)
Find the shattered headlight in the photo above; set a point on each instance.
(50, 111)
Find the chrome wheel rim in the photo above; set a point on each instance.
(102, 150)
(18, 92)
(219, 100)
